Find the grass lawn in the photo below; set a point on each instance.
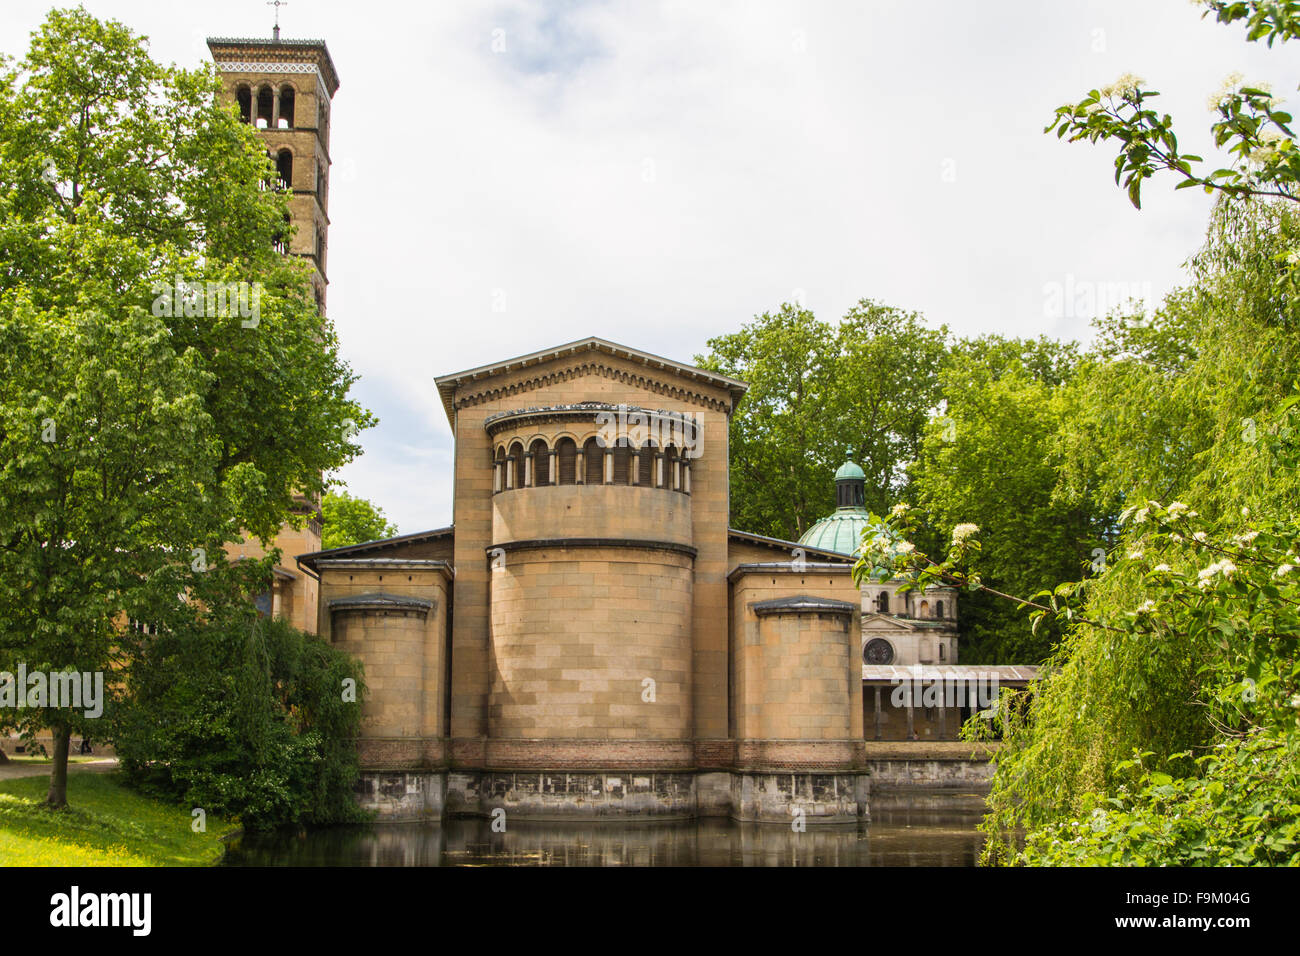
(105, 824)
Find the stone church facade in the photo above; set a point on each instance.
(590, 636)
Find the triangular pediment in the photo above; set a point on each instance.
(875, 621)
(588, 357)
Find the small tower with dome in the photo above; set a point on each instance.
(897, 628)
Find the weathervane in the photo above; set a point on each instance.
(275, 34)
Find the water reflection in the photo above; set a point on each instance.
(908, 836)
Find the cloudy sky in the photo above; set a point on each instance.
(513, 175)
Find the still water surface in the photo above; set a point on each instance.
(895, 837)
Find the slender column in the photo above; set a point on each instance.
(510, 472)
(877, 711)
(275, 108)
(609, 465)
(528, 470)
(635, 465)
(580, 463)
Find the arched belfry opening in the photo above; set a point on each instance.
(284, 167)
(286, 107)
(265, 107)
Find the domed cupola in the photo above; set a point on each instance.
(842, 529)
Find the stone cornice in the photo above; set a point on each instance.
(253, 55)
(585, 411)
(381, 601)
(803, 604)
(592, 367)
(385, 564)
(539, 544)
(788, 567)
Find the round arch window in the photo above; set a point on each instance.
(878, 651)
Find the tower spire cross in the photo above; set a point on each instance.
(275, 34)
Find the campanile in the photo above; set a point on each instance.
(284, 88)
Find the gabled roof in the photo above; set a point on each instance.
(366, 547)
(447, 384)
(780, 544)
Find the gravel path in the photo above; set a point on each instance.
(9, 771)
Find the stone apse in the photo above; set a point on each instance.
(589, 637)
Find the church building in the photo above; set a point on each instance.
(590, 636)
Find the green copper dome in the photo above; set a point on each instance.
(840, 531)
(848, 470)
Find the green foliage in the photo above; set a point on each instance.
(988, 456)
(98, 484)
(819, 395)
(348, 520)
(1197, 404)
(140, 431)
(244, 717)
(1239, 809)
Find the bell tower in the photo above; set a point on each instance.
(284, 89)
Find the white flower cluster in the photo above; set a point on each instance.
(1206, 576)
(1227, 89)
(1125, 85)
(1268, 151)
(962, 532)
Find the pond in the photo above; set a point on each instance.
(898, 835)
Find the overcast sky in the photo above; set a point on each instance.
(513, 175)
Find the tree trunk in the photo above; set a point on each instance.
(58, 795)
(4, 757)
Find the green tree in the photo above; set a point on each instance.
(177, 420)
(242, 716)
(348, 520)
(885, 385)
(777, 434)
(820, 394)
(1182, 650)
(987, 460)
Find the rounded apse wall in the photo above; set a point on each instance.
(592, 642)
